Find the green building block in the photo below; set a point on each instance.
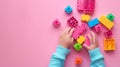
(110, 17)
(77, 46)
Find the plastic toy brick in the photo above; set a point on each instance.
(106, 22)
(78, 60)
(98, 28)
(109, 44)
(108, 34)
(89, 6)
(81, 39)
(79, 30)
(77, 46)
(80, 5)
(72, 22)
(87, 41)
(93, 22)
(68, 9)
(110, 17)
(85, 18)
(56, 23)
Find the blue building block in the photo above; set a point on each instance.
(68, 9)
(93, 22)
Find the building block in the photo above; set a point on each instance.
(56, 23)
(78, 60)
(79, 30)
(87, 41)
(81, 39)
(110, 17)
(108, 34)
(68, 9)
(93, 22)
(72, 22)
(89, 6)
(98, 28)
(109, 44)
(106, 22)
(85, 18)
(80, 5)
(77, 46)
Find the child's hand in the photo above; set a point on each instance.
(93, 42)
(66, 38)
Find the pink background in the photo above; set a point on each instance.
(28, 39)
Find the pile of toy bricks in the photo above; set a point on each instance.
(87, 7)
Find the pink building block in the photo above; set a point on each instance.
(72, 22)
(56, 23)
(87, 41)
(98, 28)
(79, 30)
(108, 33)
(80, 5)
(89, 6)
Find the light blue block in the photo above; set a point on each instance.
(68, 9)
(93, 22)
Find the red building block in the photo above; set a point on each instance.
(78, 60)
(108, 34)
(72, 22)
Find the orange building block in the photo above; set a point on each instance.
(81, 39)
(78, 60)
(85, 18)
(106, 22)
(109, 44)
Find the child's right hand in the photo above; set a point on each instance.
(93, 42)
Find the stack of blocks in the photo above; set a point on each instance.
(87, 6)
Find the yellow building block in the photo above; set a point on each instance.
(106, 22)
(81, 39)
(85, 18)
(109, 44)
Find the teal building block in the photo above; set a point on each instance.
(93, 22)
(68, 9)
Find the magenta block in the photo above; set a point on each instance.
(80, 5)
(79, 30)
(89, 6)
(72, 22)
(56, 23)
(87, 41)
(108, 33)
(98, 28)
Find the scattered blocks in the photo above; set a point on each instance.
(89, 6)
(78, 60)
(68, 9)
(79, 30)
(106, 22)
(108, 34)
(72, 22)
(98, 28)
(109, 44)
(85, 18)
(56, 23)
(110, 17)
(80, 5)
(81, 39)
(77, 46)
(93, 22)
(87, 41)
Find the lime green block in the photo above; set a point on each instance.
(77, 46)
(110, 17)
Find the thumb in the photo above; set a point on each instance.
(86, 46)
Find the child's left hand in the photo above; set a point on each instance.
(66, 38)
